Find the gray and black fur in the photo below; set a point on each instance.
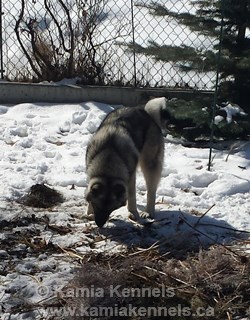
(126, 137)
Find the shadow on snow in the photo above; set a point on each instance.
(175, 233)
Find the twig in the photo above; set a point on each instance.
(232, 147)
(182, 282)
(212, 159)
(139, 276)
(70, 253)
(223, 227)
(33, 277)
(210, 238)
(155, 270)
(197, 222)
(141, 250)
(210, 276)
(229, 317)
(167, 275)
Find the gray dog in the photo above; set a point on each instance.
(126, 137)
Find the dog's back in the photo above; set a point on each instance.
(122, 134)
(135, 121)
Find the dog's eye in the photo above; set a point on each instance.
(97, 189)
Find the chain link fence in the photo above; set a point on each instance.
(101, 42)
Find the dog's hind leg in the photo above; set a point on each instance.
(152, 167)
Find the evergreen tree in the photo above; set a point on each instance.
(235, 53)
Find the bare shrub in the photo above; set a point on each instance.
(64, 40)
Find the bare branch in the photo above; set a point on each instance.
(17, 27)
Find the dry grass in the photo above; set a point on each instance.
(213, 279)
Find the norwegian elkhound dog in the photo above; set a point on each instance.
(127, 137)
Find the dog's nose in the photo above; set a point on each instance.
(101, 218)
(99, 223)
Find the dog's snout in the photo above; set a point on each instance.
(101, 218)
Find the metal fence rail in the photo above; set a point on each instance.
(99, 41)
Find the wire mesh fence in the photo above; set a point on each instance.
(103, 42)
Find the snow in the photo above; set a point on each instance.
(46, 143)
(230, 110)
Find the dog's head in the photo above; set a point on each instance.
(157, 109)
(105, 196)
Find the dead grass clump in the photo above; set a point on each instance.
(213, 282)
(216, 277)
(41, 196)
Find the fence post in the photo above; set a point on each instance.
(216, 87)
(133, 40)
(1, 42)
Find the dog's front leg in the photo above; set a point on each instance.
(132, 197)
(151, 195)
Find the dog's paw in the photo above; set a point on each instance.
(141, 219)
(146, 215)
(145, 218)
(134, 218)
